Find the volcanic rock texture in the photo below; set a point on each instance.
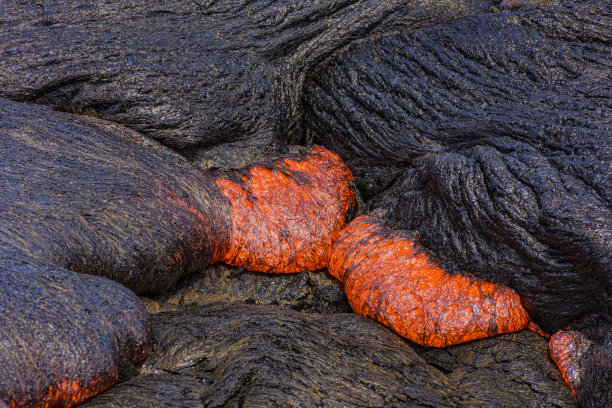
(83, 195)
(232, 354)
(486, 138)
(65, 337)
(494, 136)
(219, 80)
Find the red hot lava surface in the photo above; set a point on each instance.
(389, 278)
(287, 214)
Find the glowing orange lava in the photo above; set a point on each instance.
(69, 393)
(565, 351)
(389, 279)
(287, 214)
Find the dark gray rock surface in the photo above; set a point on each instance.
(191, 74)
(308, 291)
(539, 75)
(58, 326)
(235, 354)
(94, 197)
(499, 129)
(158, 390)
(85, 195)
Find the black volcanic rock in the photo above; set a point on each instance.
(233, 354)
(63, 331)
(191, 74)
(490, 137)
(539, 76)
(94, 197)
(85, 195)
(308, 291)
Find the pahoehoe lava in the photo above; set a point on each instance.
(480, 141)
(495, 139)
(196, 76)
(118, 205)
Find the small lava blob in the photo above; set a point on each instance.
(566, 348)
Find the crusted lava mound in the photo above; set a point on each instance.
(493, 134)
(85, 195)
(481, 146)
(198, 76)
(65, 336)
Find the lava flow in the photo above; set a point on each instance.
(389, 278)
(287, 214)
(565, 350)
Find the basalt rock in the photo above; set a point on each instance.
(501, 371)
(308, 291)
(213, 74)
(233, 354)
(84, 195)
(65, 337)
(537, 75)
(161, 390)
(81, 195)
(493, 133)
(97, 198)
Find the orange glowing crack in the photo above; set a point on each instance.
(389, 279)
(286, 215)
(70, 393)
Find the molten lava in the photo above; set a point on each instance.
(69, 393)
(287, 214)
(565, 350)
(388, 278)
